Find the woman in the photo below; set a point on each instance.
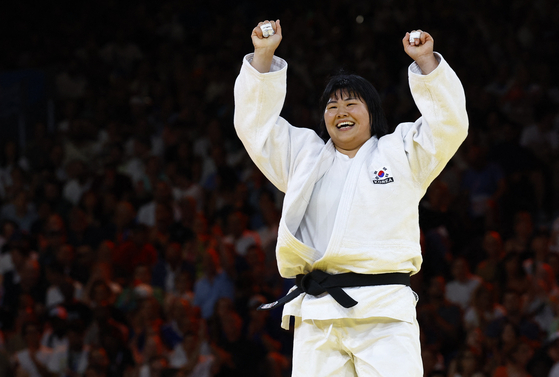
(350, 208)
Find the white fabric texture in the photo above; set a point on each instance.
(379, 347)
(318, 222)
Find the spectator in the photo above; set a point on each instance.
(134, 167)
(193, 355)
(54, 335)
(160, 234)
(79, 182)
(121, 223)
(56, 277)
(236, 355)
(519, 242)
(541, 137)
(10, 158)
(134, 252)
(213, 285)
(7, 230)
(20, 210)
(35, 357)
(112, 181)
(138, 289)
(492, 244)
(466, 364)
(100, 286)
(72, 358)
(516, 361)
(440, 320)
(484, 184)
(27, 311)
(51, 193)
(512, 276)
(81, 232)
(161, 195)
(238, 233)
(536, 266)
(170, 267)
(483, 309)
(178, 320)
(439, 226)
(121, 360)
(146, 339)
(459, 290)
(24, 281)
(526, 327)
(182, 230)
(105, 319)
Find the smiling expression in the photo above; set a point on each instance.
(348, 123)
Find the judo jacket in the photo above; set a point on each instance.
(376, 229)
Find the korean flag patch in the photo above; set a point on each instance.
(382, 176)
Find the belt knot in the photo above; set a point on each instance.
(311, 283)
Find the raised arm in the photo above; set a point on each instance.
(273, 144)
(432, 140)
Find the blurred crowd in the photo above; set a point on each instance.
(137, 237)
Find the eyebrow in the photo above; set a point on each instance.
(332, 100)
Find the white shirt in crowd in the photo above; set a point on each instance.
(178, 359)
(60, 361)
(23, 359)
(460, 293)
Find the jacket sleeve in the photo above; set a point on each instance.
(432, 140)
(273, 144)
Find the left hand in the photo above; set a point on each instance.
(421, 50)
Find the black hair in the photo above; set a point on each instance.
(358, 87)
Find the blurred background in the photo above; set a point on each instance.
(137, 237)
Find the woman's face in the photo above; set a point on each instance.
(347, 122)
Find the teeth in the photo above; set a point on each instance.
(343, 124)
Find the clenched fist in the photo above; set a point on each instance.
(264, 48)
(421, 50)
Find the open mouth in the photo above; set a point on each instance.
(344, 125)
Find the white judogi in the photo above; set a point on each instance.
(376, 227)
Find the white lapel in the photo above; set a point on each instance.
(346, 199)
(299, 201)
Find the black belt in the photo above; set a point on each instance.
(318, 282)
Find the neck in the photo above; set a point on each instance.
(348, 152)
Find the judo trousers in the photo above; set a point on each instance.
(347, 347)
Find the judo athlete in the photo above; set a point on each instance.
(349, 230)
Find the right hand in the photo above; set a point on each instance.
(266, 44)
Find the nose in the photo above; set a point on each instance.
(342, 111)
